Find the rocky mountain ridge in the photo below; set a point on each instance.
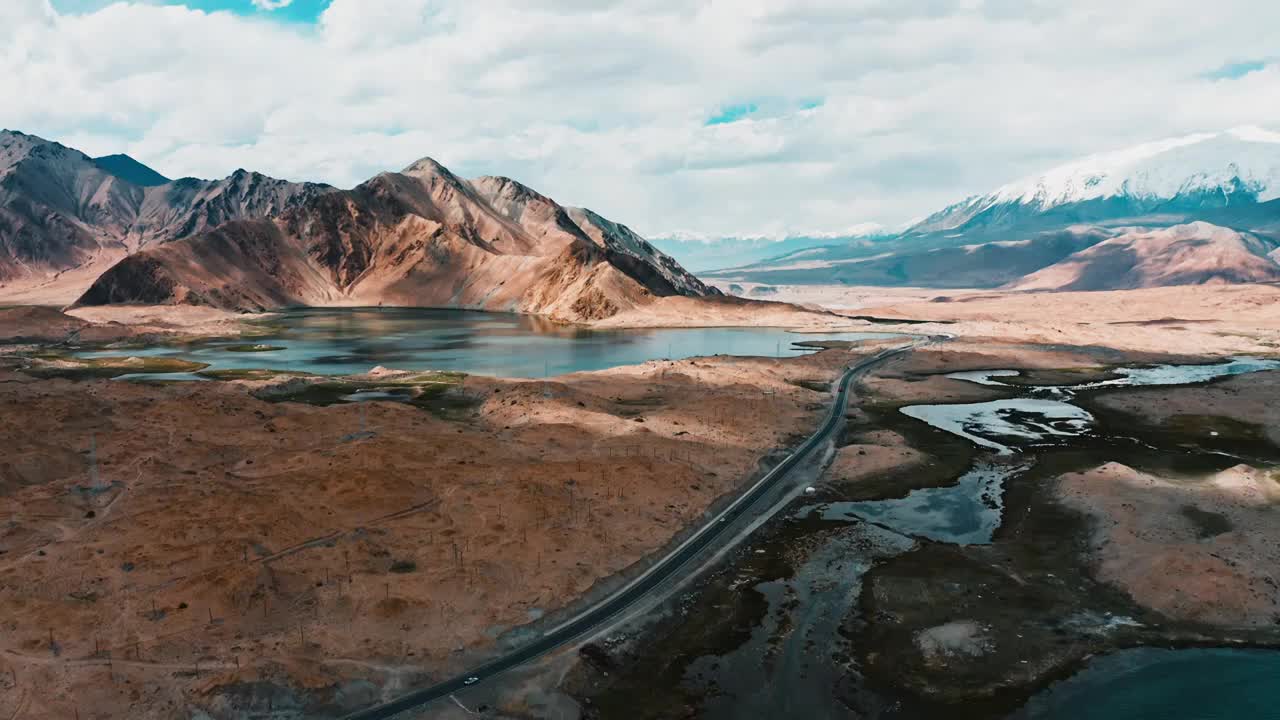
(1228, 180)
(422, 237)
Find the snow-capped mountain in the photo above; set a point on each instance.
(1178, 175)
(1228, 180)
(702, 251)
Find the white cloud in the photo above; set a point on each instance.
(603, 103)
(271, 4)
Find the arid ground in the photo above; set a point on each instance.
(1150, 530)
(240, 546)
(223, 546)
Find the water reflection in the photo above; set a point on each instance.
(342, 341)
(1208, 684)
(966, 513)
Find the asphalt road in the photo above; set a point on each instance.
(609, 607)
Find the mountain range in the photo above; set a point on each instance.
(111, 230)
(91, 231)
(701, 251)
(1196, 209)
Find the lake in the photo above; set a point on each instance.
(344, 341)
(1166, 685)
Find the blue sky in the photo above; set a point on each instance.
(1234, 70)
(761, 109)
(733, 113)
(711, 117)
(303, 11)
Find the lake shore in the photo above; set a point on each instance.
(223, 546)
(284, 529)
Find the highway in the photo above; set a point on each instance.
(609, 607)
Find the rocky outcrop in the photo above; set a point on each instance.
(1191, 254)
(421, 237)
(64, 216)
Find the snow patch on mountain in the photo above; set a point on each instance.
(866, 229)
(1245, 159)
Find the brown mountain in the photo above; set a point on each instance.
(421, 237)
(65, 217)
(1190, 254)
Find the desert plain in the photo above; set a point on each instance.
(248, 547)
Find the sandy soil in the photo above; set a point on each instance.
(677, 311)
(235, 548)
(836, 297)
(47, 324)
(1253, 399)
(230, 548)
(1219, 319)
(872, 454)
(60, 288)
(1188, 320)
(1198, 549)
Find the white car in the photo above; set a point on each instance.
(471, 680)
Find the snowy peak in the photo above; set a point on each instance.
(1242, 160)
(1178, 177)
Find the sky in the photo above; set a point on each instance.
(712, 117)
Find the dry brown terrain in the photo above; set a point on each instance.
(1190, 254)
(229, 540)
(1198, 549)
(1195, 546)
(1188, 320)
(238, 553)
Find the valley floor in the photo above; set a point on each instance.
(222, 546)
(1148, 531)
(1186, 320)
(236, 548)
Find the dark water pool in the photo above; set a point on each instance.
(342, 341)
(1153, 684)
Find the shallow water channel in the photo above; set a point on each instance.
(798, 660)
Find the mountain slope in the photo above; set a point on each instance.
(700, 252)
(130, 170)
(65, 217)
(978, 265)
(421, 237)
(1229, 179)
(1178, 177)
(1192, 254)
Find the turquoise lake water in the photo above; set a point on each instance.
(1154, 684)
(342, 341)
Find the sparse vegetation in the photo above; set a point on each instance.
(49, 365)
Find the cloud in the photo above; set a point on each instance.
(271, 4)
(844, 111)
